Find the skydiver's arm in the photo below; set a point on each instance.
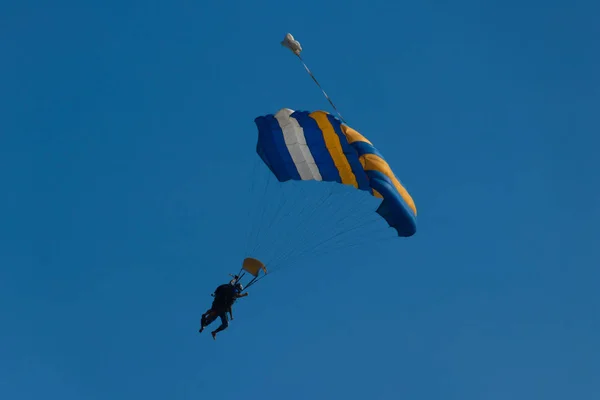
(230, 313)
(242, 295)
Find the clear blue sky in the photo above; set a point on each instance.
(126, 130)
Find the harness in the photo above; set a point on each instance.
(225, 296)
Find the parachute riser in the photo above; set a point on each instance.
(238, 277)
(253, 281)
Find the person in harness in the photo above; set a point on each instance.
(225, 295)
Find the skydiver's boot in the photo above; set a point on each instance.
(214, 335)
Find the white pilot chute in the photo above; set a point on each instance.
(292, 44)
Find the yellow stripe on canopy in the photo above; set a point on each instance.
(377, 194)
(371, 162)
(333, 144)
(353, 136)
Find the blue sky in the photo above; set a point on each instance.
(126, 137)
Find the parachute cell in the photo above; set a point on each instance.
(305, 146)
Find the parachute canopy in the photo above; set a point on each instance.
(253, 266)
(305, 146)
(292, 44)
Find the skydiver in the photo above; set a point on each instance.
(225, 296)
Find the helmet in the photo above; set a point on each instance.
(239, 286)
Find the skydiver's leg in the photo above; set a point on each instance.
(207, 319)
(224, 324)
(202, 323)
